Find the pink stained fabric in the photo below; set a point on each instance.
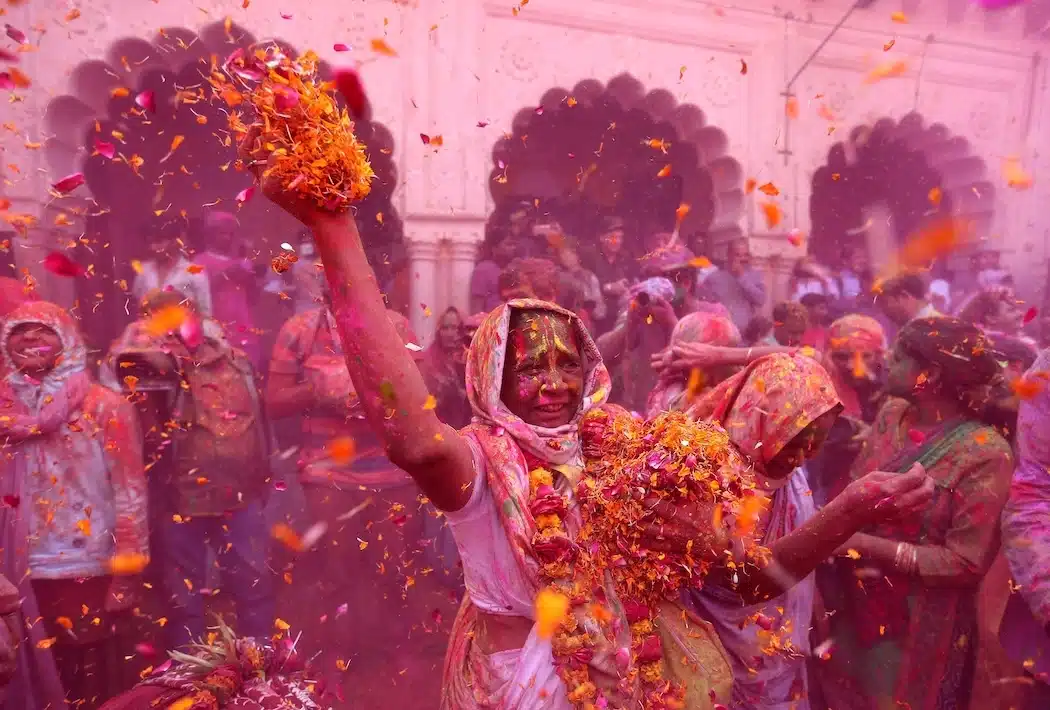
(494, 530)
(711, 326)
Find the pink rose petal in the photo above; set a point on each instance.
(16, 34)
(285, 98)
(146, 101)
(340, 47)
(69, 183)
(245, 194)
(286, 15)
(191, 332)
(6, 83)
(8, 56)
(106, 150)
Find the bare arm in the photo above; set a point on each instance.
(390, 386)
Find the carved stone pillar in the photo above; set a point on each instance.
(422, 265)
(463, 254)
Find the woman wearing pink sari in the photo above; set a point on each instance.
(532, 373)
(777, 413)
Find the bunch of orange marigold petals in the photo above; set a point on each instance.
(309, 137)
(676, 459)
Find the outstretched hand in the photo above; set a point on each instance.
(888, 495)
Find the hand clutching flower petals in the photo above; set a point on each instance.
(641, 474)
(301, 144)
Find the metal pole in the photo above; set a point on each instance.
(824, 42)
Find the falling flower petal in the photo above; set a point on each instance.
(552, 609)
(166, 320)
(1030, 315)
(341, 450)
(146, 101)
(1016, 176)
(772, 213)
(61, 265)
(681, 212)
(245, 194)
(791, 107)
(8, 56)
(743, 67)
(14, 78)
(286, 15)
(68, 183)
(431, 402)
(935, 195)
(899, 17)
(106, 150)
(340, 47)
(191, 332)
(769, 189)
(916, 436)
(1028, 386)
(128, 564)
(886, 71)
(11, 501)
(16, 34)
(796, 237)
(379, 46)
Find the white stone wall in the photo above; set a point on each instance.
(462, 63)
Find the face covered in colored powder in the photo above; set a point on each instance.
(34, 348)
(544, 370)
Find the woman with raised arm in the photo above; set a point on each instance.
(532, 372)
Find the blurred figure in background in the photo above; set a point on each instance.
(676, 389)
(234, 279)
(216, 473)
(1025, 629)
(818, 312)
(484, 282)
(168, 268)
(74, 469)
(613, 268)
(738, 286)
(902, 298)
(790, 321)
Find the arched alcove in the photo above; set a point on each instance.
(601, 149)
(146, 176)
(914, 171)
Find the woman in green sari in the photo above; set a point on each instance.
(905, 631)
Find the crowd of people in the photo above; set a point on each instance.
(334, 491)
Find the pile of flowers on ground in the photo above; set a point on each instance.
(309, 137)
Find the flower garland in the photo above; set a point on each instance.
(628, 463)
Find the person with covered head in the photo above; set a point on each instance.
(74, 521)
(532, 373)
(1025, 629)
(905, 621)
(712, 325)
(778, 412)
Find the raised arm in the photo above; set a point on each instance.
(390, 386)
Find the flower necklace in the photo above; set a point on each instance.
(628, 462)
